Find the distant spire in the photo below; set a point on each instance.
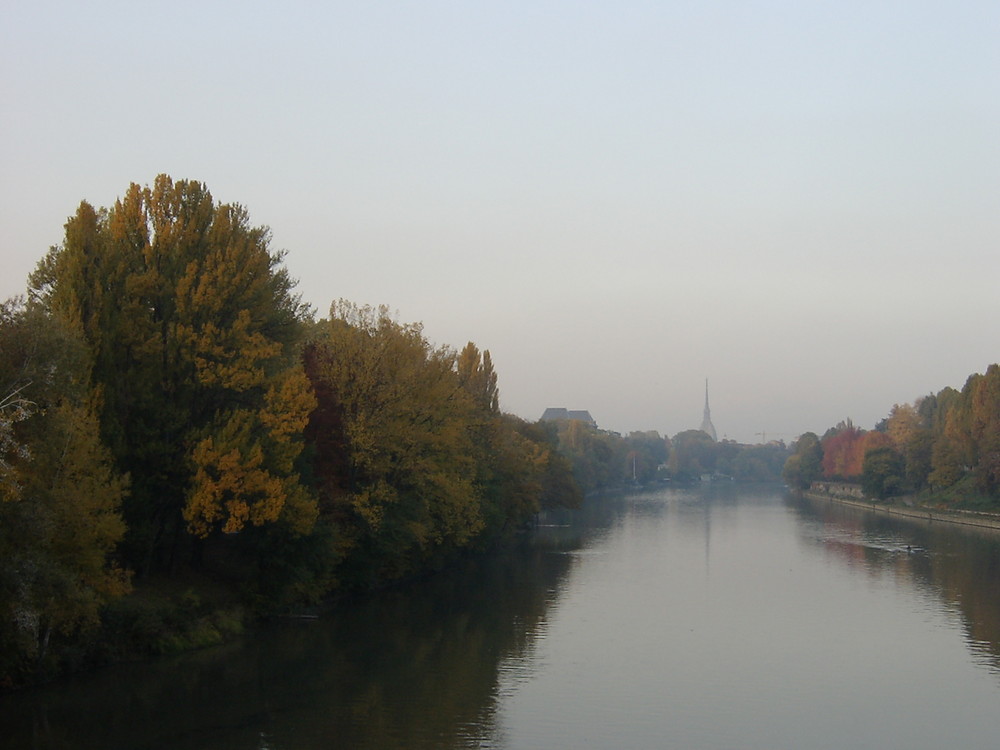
(706, 423)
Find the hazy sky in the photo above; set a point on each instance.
(797, 200)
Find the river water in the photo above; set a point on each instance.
(719, 617)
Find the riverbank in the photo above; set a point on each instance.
(905, 507)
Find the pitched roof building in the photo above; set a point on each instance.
(556, 414)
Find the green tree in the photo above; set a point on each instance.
(645, 453)
(596, 458)
(398, 479)
(192, 331)
(693, 453)
(805, 465)
(947, 467)
(59, 516)
(882, 473)
(760, 463)
(918, 452)
(518, 468)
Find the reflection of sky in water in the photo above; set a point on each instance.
(947, 568)
(715, 623)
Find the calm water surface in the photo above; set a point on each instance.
(722, 617)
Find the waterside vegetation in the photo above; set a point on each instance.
(941, 451)
(186, 448)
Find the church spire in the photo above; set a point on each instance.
(706, 423)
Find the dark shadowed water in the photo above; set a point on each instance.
(721, 617)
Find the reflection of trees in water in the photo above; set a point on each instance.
(958, 564)
(411, 668)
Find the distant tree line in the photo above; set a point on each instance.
(606, 459)
(944, 447)
(167, 404)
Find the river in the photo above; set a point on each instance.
(719, 617)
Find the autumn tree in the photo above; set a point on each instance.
(477, 376)
(554, 472)
(947, 466)
(842, 451)
(966, 444)
(192, 329)
(903, 421)
(519, 470)
(984, 427)
(398, 477)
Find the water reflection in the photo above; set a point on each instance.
(417, 668)
(958, 566)
(715, 616)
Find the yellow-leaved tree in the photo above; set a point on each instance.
(394, 452)
(193, 334)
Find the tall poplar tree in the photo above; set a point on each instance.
(192, 328)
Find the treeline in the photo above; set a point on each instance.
(606, 459)
(167, 404)
(945, 447)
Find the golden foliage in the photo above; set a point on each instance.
(231, 485)
(406, 421)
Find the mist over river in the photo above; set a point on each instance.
(715, 617)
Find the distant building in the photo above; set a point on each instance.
(558, 414)
(706, 422)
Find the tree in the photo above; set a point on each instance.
(843, 452)
(59, 515)
(902, 423)
(477, 377)
(759, 463)
(519, 470)
(918, 452)
(645, 453)
(593, 455)
(984, 424)
(192, 331)
(398, 479)
(883, 472)
(692, 454)
(14, 408)
(947, 467)
(805, 465)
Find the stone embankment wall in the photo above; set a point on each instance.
(851, 494)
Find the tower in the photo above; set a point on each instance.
(706, 422)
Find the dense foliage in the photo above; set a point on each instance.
(945, 447)
(174, 419)
(170, 411)
(59, 511)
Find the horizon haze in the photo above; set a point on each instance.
(796, 201)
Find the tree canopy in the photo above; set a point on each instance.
(192, 329)
(945, 446)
